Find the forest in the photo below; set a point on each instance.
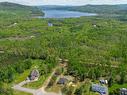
(95, 46)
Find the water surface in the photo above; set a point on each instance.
(65, 14)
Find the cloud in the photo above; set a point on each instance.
(65, 2)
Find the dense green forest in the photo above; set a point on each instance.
(95, 46)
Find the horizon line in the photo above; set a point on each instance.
(59, 4)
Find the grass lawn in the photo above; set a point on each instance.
(22, 77)
(54, 88)
(117, 86)
(20, 93)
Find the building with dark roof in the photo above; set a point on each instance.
(62, 81)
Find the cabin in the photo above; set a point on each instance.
(62, 81)
(34, 75)
(103, 90)
(123, 91)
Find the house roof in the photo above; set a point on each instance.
(62, 81)
(34, 73)
(99, 88)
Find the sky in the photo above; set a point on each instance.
(66, 2)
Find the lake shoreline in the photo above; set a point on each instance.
(65, 14)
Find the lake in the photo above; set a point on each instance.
(65, 14)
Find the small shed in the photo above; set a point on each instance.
(62, 81)
(123, 91)
(34, 75)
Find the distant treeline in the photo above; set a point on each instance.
(110, 9)
(12, 9)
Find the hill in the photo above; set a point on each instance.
(101, 8)
(12, 9)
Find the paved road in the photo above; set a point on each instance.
(43, 92)
(17, 87)
(49, 78)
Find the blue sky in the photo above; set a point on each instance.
(65, 2)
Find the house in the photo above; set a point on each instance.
(103, 81)
(103, 90)
(50, 24)
(62, 81)
(123, 91)
(34, 75)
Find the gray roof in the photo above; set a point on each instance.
(34, 74)
(62, 81)
(99, 88)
